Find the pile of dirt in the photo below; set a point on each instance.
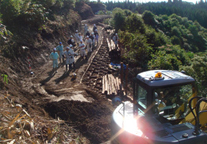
(84, 10)
(92, 119)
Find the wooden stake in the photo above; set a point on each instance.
(103, 85)
(122, 72)
(126, 78)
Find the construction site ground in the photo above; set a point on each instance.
(80, 101)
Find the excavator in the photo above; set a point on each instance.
(165, 110)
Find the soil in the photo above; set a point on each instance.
(78, 101)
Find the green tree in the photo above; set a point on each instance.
(161, 60)
(198, 71)
(118, 19)
(134, 23)
(9, 10)
(137, 50)
(148, 18)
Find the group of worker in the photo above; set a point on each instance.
(68, 54)
(86, 42)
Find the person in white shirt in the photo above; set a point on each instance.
(82, 49)
(54, 56)
(96, 36)
(80, 37)
(94, 27)
(85, 29)
(77, 39)
(69, 54)
(88, 43)
(115, 39)
(93, 39)
(60, 51)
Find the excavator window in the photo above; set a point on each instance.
(142, 97)
(172, 102)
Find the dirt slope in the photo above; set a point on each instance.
(58, 95)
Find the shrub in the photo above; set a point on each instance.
(161, 60)
(148, 18)
(134, 23)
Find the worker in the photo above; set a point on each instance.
(85, 29)
(96, 36)
(71, 41)
(94, 27)
(69, 54)
(77, 39)
(87, 33)
(80, 37)
(60, 51)
(88, 43)
(92, 37)
(54, 56)
(73, 54)
(115, 39)
(82, 49)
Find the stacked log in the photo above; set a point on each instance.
(110, 84)
(111, 45)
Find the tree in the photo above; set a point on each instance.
(148, 18)
(161, 60)
(198, 71)
(134, 23)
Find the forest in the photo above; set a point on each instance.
(194, 12)
(163, 42)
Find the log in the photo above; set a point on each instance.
(103, 85)
(108, 43)
(116, 85)
(106, 85)
(109, 84)
(112, 45)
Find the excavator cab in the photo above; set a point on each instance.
(158, 112)
(165, 96)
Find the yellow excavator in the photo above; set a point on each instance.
(165, 110)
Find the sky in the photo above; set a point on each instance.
(145, 1)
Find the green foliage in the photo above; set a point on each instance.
(35, 16)
(175, 40)
(148, 18)
(198, 71)
(118, 19)
(170, 58)
(9, 10)
(46, 3)
(68, 3)
(128, 12)
(136, 48)
(161, 60)
(176, 32)
(154, 38)
(134, 23)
